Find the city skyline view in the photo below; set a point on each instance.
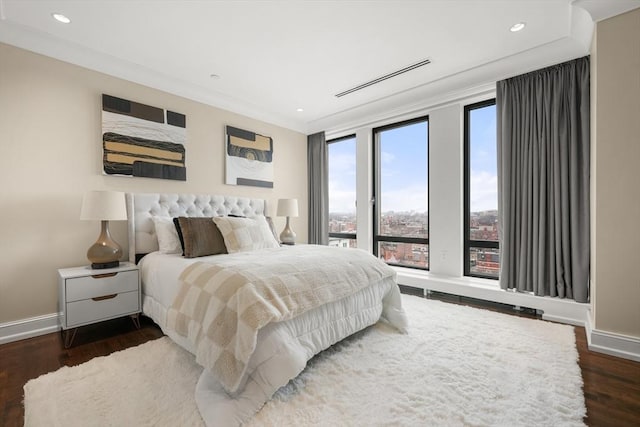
(402, 171)
(483, 226)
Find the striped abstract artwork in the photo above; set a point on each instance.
(142, 141)
(249, 158)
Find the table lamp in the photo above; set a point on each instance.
(104, 206)
(288, 208)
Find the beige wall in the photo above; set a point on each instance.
(616, 175)
(50, 154)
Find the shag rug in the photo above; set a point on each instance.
(457, 366)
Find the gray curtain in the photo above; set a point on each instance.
(543, 180)
(318, 169)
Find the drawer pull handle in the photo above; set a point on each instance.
(104, 297)
(102, 276)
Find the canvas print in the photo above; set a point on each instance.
(144, 141)
(249, 158)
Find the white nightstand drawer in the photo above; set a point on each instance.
(90, 310)
(86, 287)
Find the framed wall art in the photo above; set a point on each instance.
(249, 158)
(143, 141)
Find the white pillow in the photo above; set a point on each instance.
(245, 234)
(168, 240)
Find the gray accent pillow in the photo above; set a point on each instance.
(201, 237)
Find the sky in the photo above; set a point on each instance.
(484, 159)
(404, 168)
(342, 176)
(405, 171)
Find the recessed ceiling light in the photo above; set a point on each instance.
(517, 27)
(61, 18)
(300, 110)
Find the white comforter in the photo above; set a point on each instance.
(283, 348)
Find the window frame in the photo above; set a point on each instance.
(377, 238)
(468, 243)
(352, 236)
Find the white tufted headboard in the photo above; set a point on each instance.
(142, 206)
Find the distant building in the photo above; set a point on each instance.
(341, 243)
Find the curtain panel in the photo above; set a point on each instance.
(318, 167)
(543, 121)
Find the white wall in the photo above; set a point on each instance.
(364, 188)
(446, 190)
(51, 153)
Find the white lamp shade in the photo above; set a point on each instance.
(271, 208)
(103, 205)
(287, 207)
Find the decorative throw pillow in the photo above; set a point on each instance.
(168, 241)
(201, 237)
(273, 228)
(245, 234)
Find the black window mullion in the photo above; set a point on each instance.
(467, 192)
(343, 235)
(403, 239)
(484, 244)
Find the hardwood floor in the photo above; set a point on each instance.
(611, 385)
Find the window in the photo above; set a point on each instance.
(481, 244)
(401, 193)
(342, 191)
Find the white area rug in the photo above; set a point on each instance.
(458, 366)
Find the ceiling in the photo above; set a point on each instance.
(271, 58)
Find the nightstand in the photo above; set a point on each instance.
(89, 296)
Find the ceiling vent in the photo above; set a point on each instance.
(383, 78)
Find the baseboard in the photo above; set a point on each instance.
(612, 344)
(28, 328)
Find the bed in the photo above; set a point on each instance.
(253, 312)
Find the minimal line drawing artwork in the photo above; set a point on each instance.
(249, 158)
(142, 141)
